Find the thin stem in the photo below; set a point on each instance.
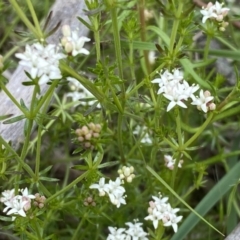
(119, 137)
(3, 87)
(141, 8)
(179, 132)
(76, 234)
(47, 95)
(206, 49)
(175, 27)
(131, 60)
(37, 164)
(23, 17)
(117, 44)
(85, 82)
(35, 19)
(24, 165)
(200, 130)
(97, 37)
(68, 187)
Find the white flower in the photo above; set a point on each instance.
(161, 210)
(41, 61)
(173, 222)
(117, 199)
(175, 88)
(78, 43)
(170, 162)
(215, 11)
(208, 13)
(136, 231)
(102, 187)
(80, 92)
(16, 206)
(203, 100)
(27, 197)
(72, 39)
(155, 216)
(116, 234)
(8, 196)
(175, 99)
(115, 192)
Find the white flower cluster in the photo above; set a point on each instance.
(79, 92)
(16, 204)
(113, 189)
(216, 12)
(134, 232)
(177, 90)
(170, 162)
(41, 61)
(72, 43)
(161, 210)
(126, 173)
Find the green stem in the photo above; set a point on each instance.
(85, 82)
(143, 33)
(24, 153)
(68, 187)
(117, 44)
(76, 232)
(115, 98)
(131, 60)
(37, 164)
(24, 165)
(46, 96)
(23, 17)
(3, 87)
(35, 19)
(175, 27)
(171, 144)
(200, 130)
(179, 132)
(97, 37)
(206, 49)
(119, 137)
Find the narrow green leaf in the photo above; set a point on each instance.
(189, 67)
(139, 45)
(80, 167)
(108, 164)
(160, 33)
(14, 119)
(213, 196)
(5, 116)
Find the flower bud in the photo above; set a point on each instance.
(87, 145)
(66, 30)
(64, 40)
(96, 135)
(78, 132)
(212, 106)
(68, 47)
(85, 130)
(80, 139)
(40, 205)
(88, 136)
